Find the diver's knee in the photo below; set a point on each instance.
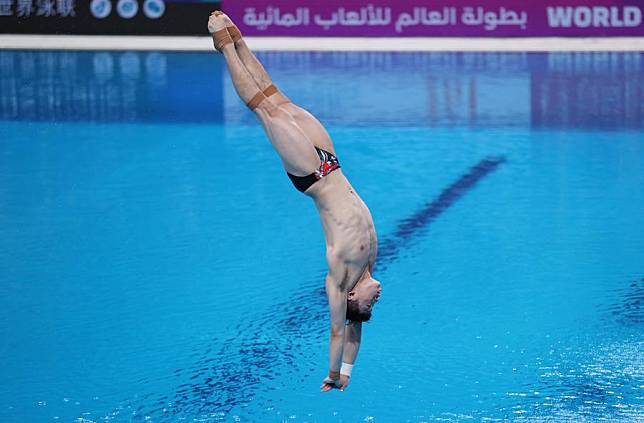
(273, 111)
(270, 93)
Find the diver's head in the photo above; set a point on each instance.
(361, 299)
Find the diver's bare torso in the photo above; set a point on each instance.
(351, 241)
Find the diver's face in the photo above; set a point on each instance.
(366, 293)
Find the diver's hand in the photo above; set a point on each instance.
(328, 384)
(332, 381)
(344, 381)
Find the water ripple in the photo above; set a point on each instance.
(628, 309)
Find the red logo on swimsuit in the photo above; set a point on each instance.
(328, 163)
(329, 167)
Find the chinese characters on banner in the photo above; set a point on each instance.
(123, 17)
(438, 18)
(45, 8)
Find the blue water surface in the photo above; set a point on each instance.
(156, 265)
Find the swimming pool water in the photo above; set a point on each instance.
(157, 265)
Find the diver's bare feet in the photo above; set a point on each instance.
(217, 27)
(216, 22)
(232, 28)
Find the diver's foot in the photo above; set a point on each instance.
(217, 28)
(232, 28)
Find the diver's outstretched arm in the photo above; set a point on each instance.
(338, 312)
(352, 338)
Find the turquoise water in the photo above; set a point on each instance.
(157, 265)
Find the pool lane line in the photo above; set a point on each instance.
(227, 378)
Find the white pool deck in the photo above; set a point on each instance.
(401, 44)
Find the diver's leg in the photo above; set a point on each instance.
(312, 126)
(246, 86)
(307, 122)
(252, 64)
(289, 140)
(292, 144)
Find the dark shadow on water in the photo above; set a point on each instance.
(231, 372)
(417, 223)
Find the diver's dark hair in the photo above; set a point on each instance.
(355, 314)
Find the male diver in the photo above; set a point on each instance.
(309, 157)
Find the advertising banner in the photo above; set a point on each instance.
(110, 17)
(453, 18)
